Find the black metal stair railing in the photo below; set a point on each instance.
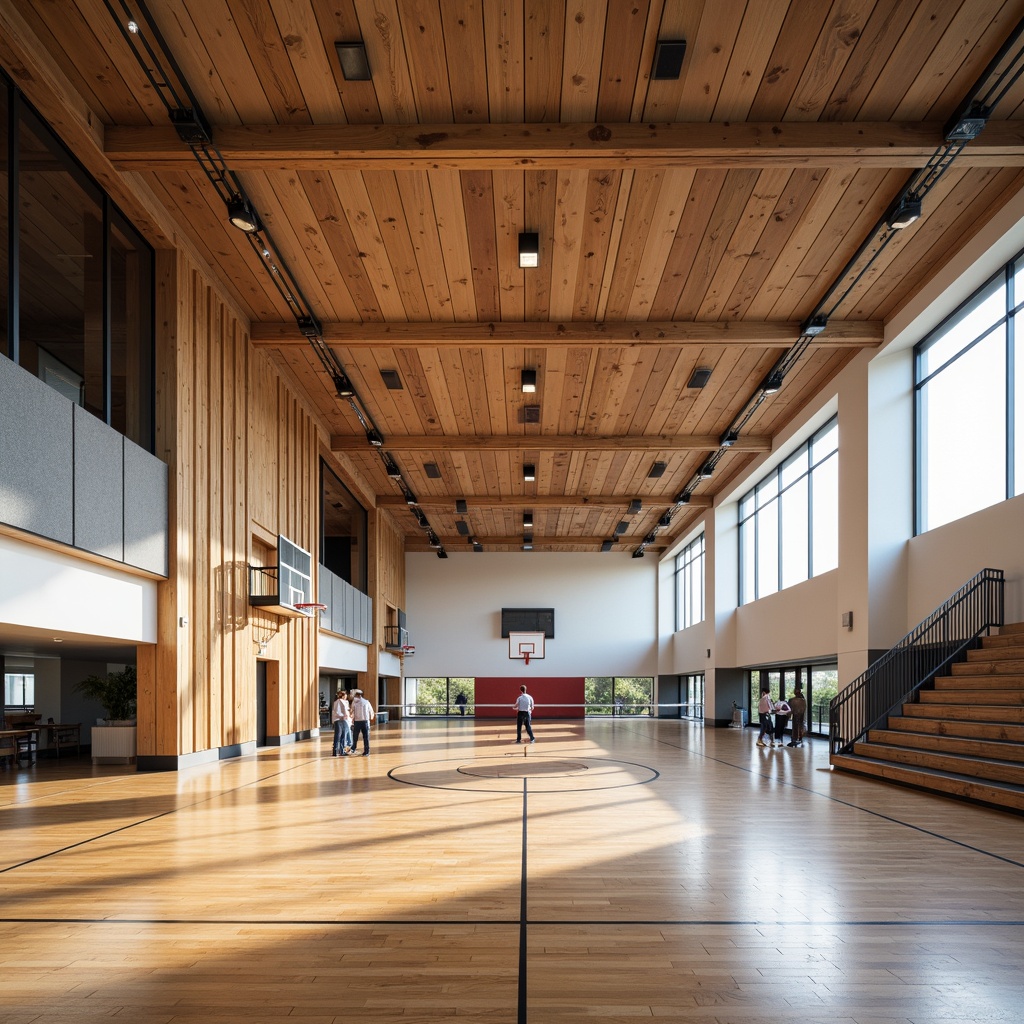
(897, 677)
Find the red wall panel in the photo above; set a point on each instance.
(554, 697)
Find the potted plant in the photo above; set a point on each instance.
(117, 694)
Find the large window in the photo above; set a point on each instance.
(820, 684)
(694, 691)
(76, 293)
(969, 384)
(440, 696)
(689, 575)
(619, 695)
(789, 522)
(19, 689)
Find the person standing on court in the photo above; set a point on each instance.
(341, 717)
(765, 708)
(798, 704)
(524, 711)
(362, 715)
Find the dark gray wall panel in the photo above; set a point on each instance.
(145, 509)
(36, 451)
(99, 485)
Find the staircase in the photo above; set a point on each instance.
(965, 737)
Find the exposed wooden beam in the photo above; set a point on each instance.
(753, 334)
(553, 146)
(549, 443)
(541, 501)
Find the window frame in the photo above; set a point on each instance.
(690, 561)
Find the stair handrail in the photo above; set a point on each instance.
(899, 674)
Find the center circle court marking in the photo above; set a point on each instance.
(506, 774)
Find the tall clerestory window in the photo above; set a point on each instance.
(969, 396)
(789, 521)
(689, 574)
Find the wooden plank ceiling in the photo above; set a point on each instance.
(683, 224)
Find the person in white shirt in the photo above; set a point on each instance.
(524, 711)
(341, 717)
(362, 715)
(765, 711)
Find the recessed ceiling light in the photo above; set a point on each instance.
(354, 63)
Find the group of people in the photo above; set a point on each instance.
(351, 715)
(774, 713)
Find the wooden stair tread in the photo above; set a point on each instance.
(968, 710)
(966, 728)
(1007, 750)
(963, 764)
(1001, 794)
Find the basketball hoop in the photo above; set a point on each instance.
(408, 650)
(309, 607)
(526, 657)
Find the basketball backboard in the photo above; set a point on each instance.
(525, 646)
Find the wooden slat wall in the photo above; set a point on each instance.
(243, 455)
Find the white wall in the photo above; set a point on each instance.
(46, 589)
(605, 613)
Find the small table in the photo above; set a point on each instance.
(19, 744)
(65, 734)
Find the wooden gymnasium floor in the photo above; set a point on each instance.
(615, 870)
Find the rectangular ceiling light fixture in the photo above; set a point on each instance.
(699, 377)
(528, 380)
(529, 471)
(527, 519)
(462, 526)
(391, 380)
(460, 506)
(668, 59)
(622, 527)
(658, 469)
(354, 64)
(606, 545)
(430, 468)
(529, 249)
(634, 506)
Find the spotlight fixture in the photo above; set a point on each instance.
(634, 506)
(903, 212)
(441, 553)
(699, 377)
(352, 58)
(966, 124)
(707, 470)
(529, 249)
(374, 437)
(527, 544)
(728, 439)
(477, 546)
(432, 539)
(772, 382)
(391, 467)
(410, 498)
(529, 471)
(665, 521)
(683, 498)
(658, 469)
(460, 506)
(813, 326)
(343, 386)
(639, 553)
(242, 215)
(462, 526)
(621, 527)
(527, 519)
(606, 545)
(668, 59)
(421, 518)
(650, 538)
(528, 381)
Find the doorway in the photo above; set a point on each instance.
(261, 703)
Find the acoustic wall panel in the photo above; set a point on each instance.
(99, 487)
(145, 509)
(36, 452)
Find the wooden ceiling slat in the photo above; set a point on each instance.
(543, 39)
(338, 22)
(708, 53)
(615, 228)
(571, 203)
(581, 58)
(418, 207)
(762, 22)
(312, 57)
(428, 62)
(828, 58)
(454, 242)
(381, 32)
(625, 29)
(508, 192)
(463, 34)
(396, 233)
(352, 289)
(743, 244)
(540, 206)
(713, 246)
(506, 61)
(790, 53)
(595, 239)
(478, 204)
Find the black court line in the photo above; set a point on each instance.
(521, 996)
(844, 803)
